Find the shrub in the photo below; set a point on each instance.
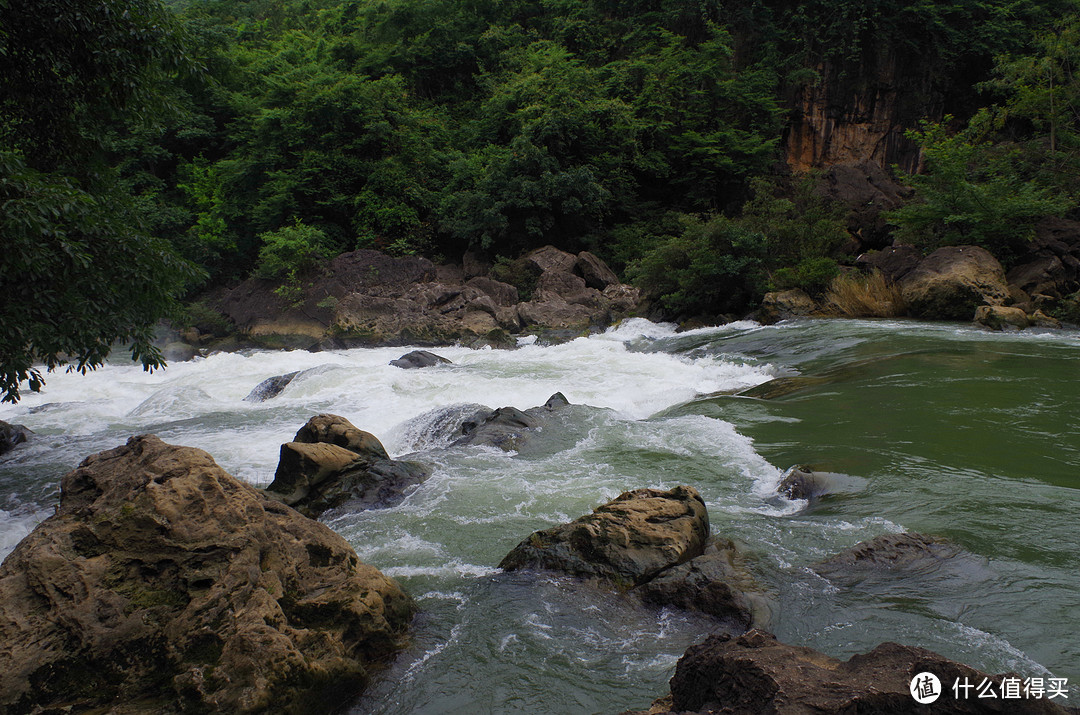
(864, 295)
(287, 254)
(812, 275)
(714, 265)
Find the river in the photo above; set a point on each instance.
(943, 429)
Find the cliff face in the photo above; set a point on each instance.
(859, 114)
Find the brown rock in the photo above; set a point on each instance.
(708, 583)
(316, 472)
(552, 259)
(503, 294)
(626, 542)
(478, 322)
(336, 430)
(786, 304)
(952, 282)
(1000, 317)
(555, 313)
(754, 674)
(1044, 274)
(1040, 319)
(12, 435)
(594, 271)
(163, 584)
(891, 552)
(474, 265)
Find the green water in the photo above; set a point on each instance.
(942, 429)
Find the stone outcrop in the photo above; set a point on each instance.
(801, 482)
(162, 584)
(331, 463)
(783, 305)
(653, 544)
(755, 674)
(270, 387)
(12, 435)
(418, 359)
(893, 262)
(368, 298)
(952, 282)
(508, 428)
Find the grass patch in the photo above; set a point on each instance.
(864, 295)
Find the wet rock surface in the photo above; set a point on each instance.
(162, 584)
(508, 427)
(627, 541)
(270, 387)
(331, 463)
(12, 436)
(906, 552)
(755, 674)
(419, 358)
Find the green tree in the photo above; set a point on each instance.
(77, 271)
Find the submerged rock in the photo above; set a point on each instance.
(890, 552)
(12, 435)
(627, 541)
(330, 463)
(163, 584)
(651, 543)
(708, 583)
(270, 387)
(507, 427)
(756, 674)
(418, 359)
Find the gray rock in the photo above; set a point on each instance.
(12, 435)
(418, 359)
(507, 427)
(894, 262)
(594, 271)
(270, 387)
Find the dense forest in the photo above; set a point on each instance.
(150, 151)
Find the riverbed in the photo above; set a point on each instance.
(943, 429)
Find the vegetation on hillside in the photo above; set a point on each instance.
(202, 140)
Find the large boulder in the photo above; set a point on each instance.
(162, 584)
(755, 674)
(508, 428)
(418, 359)
(331, 463)
(893, 262)
(12, 435)
(625, 542)
(551, 259)
(783, 305)
(594, 271)
(952, 282)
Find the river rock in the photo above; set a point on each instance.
(163, 584)
(755, 674)
(270, 387)
(906, 552)
(554, 312)
(952, 282)
(1000, 317)
(12, 435)
(336, 430)
(625, 542)
(708, 583)
(801, 482)
(418, 359)
(320, 470)
(507, 427)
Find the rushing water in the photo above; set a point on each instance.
(942, 429)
